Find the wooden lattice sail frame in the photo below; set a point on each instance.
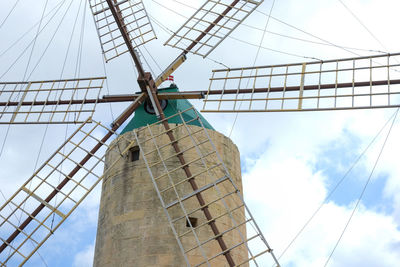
(122, 26)
(49, 102)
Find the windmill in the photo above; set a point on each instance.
(228, 93)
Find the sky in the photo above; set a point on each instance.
(291, 162)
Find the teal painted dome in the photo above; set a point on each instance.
(143, 116)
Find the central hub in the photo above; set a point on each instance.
(148, 107)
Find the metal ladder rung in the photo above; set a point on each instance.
(179, 125)
(131, 13)
(130, 5)
(103, 10)
(59, 213)
(87, 151)
(55, 188)
(70, 178)
(143, 36)
(228, 249)
(11, 246)
(113, 21)
(117, 42)
(117, 54)
(7, 219)
(213, 219)
(164, 145)
(29, 215)
(202, 31)
(8, 216)
(107, 24)
(138, 28)
(19, 229)
(18, 207)
(180, 153)
(201, 207)
(110, 33)
(219, 235)
(184, 165)
(89, 135)
(82, 166)
(219, 25)
(255, 256)
(136, 20)
(121, 2)
(169, 143)
(165, 131)
(6, 204)
(198, 191)
(191, 177)
(107, 8)
(102, 3)
(81, 140)
(199, 43)
(104, 19)
(114, 47)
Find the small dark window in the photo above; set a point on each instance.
(193, 222)
(134, 153)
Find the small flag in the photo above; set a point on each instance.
(170, 78)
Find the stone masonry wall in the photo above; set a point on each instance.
(133, 229)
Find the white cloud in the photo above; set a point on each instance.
(284, 193)
(84, 257)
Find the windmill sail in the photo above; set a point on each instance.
(134, 20)
(352, 83)
(53, 192)
(48, 102)
(215, 192)
(211, 24)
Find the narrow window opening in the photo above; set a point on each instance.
(191, 222)
(134, 153)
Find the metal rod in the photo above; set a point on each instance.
(108, 99)
(297, 88)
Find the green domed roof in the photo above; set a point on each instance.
(143, 118)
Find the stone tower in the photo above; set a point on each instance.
(133, 229)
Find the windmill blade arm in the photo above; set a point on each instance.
(353, 83)
(35, 201)
(71, 173)
(61, 101)
(129, 110)
(109, 99)
(122, 26)
(208, 26)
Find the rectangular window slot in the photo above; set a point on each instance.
(191, 222)
(134, 153)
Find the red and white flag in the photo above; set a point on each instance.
(170, 78)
